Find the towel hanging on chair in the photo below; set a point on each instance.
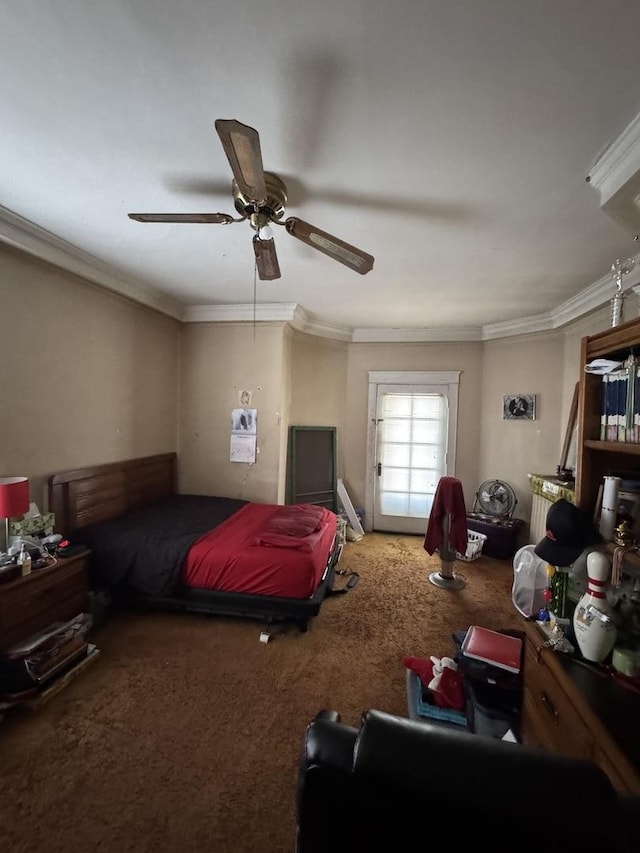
(448, 500)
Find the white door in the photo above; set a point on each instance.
(412, 446)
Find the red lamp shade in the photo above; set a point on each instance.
(14, 496)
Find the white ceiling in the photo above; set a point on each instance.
(451, 139)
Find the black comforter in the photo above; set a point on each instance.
(145, 549)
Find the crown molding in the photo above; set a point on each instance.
(590, 299)
(312, 325)
(594, 296)
(398, 335)
(36, 241)
(616, 176)
(513, 328)
(618, 163)
(264, 312)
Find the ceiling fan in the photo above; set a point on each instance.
(261, 197)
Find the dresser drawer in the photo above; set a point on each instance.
(30, 604)
(549, 717)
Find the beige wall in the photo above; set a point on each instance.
(319, 386)
(286, 390)
(362, 358)
(510, 449)
(220, 360)
(89, 377)
(86, 377)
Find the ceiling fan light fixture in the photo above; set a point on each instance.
(265, 233)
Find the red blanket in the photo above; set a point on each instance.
(278, 540)
(229, 558)
(295, 520)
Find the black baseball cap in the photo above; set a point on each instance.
(569, 532)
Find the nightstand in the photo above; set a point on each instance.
(52, 594)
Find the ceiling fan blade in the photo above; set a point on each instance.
(266, 259)
(337, 249)
(241, 144)
(222, 218)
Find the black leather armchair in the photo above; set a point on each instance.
(396, 784)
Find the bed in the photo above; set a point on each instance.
(225, 556)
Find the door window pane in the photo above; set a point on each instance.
(396, 430)
(394, 503)
(426, 405)
(420, 505)
(400, 455)
(425, 432)
(423, 455)
(411, 450)
(421, 480)
(395, 479)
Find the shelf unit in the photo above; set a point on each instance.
(596, 458)
(568, 706)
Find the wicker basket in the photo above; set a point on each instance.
(475, 541)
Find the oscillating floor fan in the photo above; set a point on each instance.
(445, 529)
(445, 578)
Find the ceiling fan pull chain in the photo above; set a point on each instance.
(255, 291)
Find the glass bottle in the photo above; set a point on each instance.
(25, 561)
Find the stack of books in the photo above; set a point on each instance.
(620, 407)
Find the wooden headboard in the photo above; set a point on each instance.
(87, 495)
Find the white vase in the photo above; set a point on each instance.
(593, 623)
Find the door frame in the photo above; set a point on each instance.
(448, 379)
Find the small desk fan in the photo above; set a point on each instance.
(496, 499)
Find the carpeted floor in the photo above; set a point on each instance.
(185, 734)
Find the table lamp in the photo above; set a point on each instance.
(14, 500)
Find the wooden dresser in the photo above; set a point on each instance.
(56, 593)
(571, 708)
